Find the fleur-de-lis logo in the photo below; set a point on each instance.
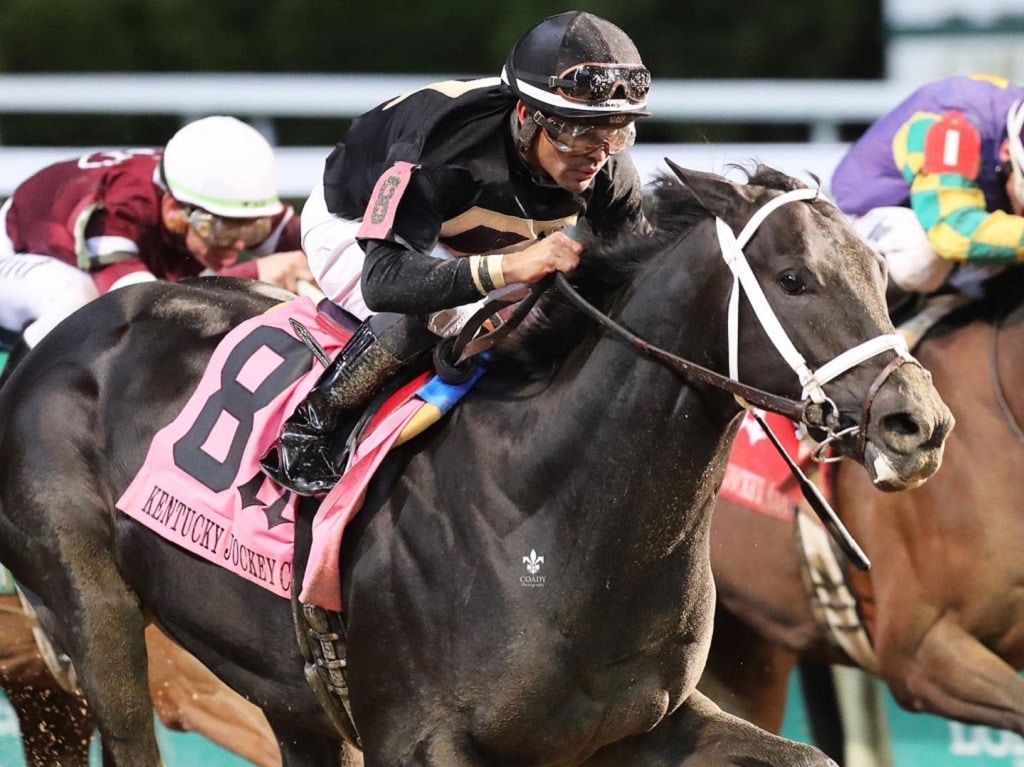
(533, 562)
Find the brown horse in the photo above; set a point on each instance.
(943, 604)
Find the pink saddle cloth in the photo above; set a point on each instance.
(201, 486)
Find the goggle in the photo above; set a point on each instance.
(580, 138)
(594, 83)
(224, 232)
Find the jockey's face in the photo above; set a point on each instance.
(573, 172)
(216, 255)
(1014, 181)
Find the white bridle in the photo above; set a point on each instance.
(743, 277)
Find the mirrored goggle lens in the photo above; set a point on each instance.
(225, 232)
(594, 83)
(574, 138)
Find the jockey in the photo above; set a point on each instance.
(440, 196)
(936, 186)
(80, 228)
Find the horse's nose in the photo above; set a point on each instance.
(907, 430)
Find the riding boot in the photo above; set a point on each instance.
(301, 460)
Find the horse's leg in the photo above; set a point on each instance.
(746, 674)
(821, 704)
(700, 733)
(55, 724)
(952, 674)
(301, 748)
(108, 649)
(189, 697)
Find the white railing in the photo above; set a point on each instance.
(820, 105)
(300, 167)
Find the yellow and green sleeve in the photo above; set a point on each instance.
(951, 207)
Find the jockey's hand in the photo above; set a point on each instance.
(555, 253)
(286, 270)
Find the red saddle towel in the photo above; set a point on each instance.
(756, 476)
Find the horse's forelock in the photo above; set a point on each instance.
(675, 207)
(770, 178)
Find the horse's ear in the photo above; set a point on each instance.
(716, 194)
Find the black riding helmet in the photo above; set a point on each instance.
(581, 67)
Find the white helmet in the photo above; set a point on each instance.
(223, 166)
(1014, 126)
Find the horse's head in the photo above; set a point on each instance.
(806, 289)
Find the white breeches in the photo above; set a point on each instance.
(897, 235)
(336, 261)
(334, 256)
(37, 291)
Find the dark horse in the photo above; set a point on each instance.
(607, 467)
(942, 604)
(53, 717)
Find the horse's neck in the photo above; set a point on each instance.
(642, 448)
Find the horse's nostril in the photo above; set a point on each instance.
(901, 424)
(942, 429)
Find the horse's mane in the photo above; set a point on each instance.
(674, 210)
(608, 265)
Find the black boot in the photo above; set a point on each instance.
(301, 459)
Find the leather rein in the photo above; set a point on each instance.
(791, 408)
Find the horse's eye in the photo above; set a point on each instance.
(792, 283)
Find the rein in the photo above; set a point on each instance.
(792, 409)
(997, 384)
(815, 408)
(750, 397)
